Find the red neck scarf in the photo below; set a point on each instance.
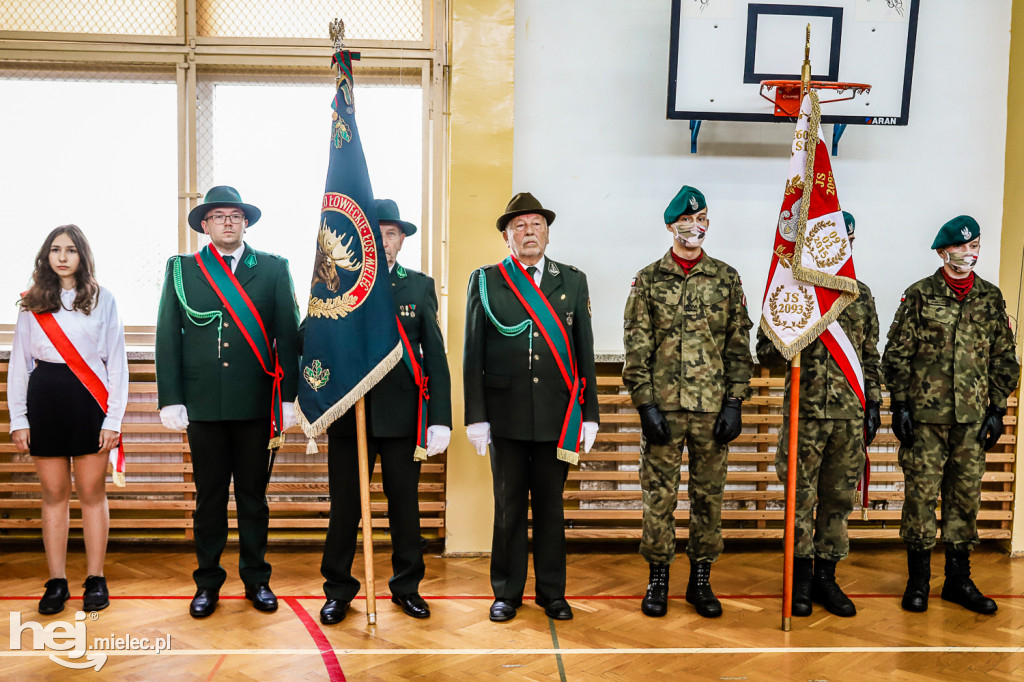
(685, 264)
(960, 287)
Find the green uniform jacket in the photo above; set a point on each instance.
(949, 359)
(524, 399)
(687, 337)
(393, 401)
(825, 392)
(231, 384)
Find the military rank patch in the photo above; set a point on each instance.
(553, 269)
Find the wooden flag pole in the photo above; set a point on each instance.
(788, 539)
(364, 498)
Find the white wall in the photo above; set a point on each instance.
(593, 144)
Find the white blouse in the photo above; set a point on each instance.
(98, 337)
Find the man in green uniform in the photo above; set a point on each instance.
(950, 365)
(836, 426)
(530, 386)
(404, 426)
(226, 358)
(687, 369)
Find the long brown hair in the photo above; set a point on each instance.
(43, 296)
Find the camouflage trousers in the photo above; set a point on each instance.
(830, 460)
(947, 459)
(659, 480)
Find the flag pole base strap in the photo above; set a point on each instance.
(787, 98)
(787, 624)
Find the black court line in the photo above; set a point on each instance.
(554, 643)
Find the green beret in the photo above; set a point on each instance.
(688, 200)
(959, 230)
(851, 224)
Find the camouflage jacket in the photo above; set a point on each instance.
(687, 337)
(949, 359)
(825, 392)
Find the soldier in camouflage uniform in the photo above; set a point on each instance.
(833, 434)
(687, 368)
(949, 365)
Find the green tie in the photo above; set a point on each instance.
(532, 271)
(227, 261)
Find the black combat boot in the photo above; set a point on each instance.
(802, 570)
(959, 588)
(698, 590)
(655, 603)
(826, 592)
(919, 570)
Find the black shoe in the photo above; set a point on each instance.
(333, 611)
(261, 597)
(960, 589)
(96, 597)
(413, 604)
(803, 569)
(698, 590)
(556, 609)
(204, 603)
(54, 597)
(655, 603)
(827, 592)
(919, 571)
(502, 611)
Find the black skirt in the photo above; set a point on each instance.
(64, 419)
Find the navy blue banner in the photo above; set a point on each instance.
(351, 338)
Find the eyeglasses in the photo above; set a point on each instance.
(219, 218)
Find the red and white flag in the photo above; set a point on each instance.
(811, 279)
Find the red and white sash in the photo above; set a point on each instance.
(81, 369)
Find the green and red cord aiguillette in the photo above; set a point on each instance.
(245, 315)
(551, 328)
(412, 361)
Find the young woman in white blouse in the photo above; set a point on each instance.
(68, 358)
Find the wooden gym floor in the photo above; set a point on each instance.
(608, 639)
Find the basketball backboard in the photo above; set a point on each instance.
(721, 50)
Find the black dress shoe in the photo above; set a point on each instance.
(502, 611)
(54, 597)
(413, 605)
(261, 597)
(204, 603)
(333, 611)
(556, 609)
(96, 597)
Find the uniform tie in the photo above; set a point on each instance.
(532, 272)
(227, 261)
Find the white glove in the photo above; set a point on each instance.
(288, 418)
(479, 435)
(587, 435)
(438, 438)
(174, 417)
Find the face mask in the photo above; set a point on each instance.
(961, 262)
(692, 236)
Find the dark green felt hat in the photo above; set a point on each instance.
(688, 200)
(959, 230)
(387, 212)
(851, 224)
(219, 197)
(521, 204)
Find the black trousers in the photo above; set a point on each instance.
(527, 469)
(401, 477)
(222, 451)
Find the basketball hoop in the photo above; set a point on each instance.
(787, 93)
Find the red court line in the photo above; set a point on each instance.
(326, 650)
(220, 662)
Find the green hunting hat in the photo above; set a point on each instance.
(959, 230)
(851, 224)
(521, 204)
(688, 200)
(387, 212)
(217, 197)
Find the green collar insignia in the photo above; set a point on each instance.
(250, 260)
(400, 271)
